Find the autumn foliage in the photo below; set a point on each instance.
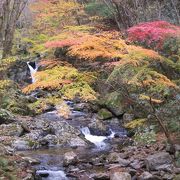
(63, 79)
(153, 34)
(106, 46)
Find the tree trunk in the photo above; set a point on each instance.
(10, 11)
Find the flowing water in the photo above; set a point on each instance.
(51, 166)
(97, 140)
(52, 175)
(33, 71)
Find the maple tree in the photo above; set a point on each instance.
(154, 34)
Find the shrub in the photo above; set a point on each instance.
(67, 80)
(93, 47)
(159, 35)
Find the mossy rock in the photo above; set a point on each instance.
(12, 99)
(104, 114)
(6, 116)
(177, 177)
(115, 102)
(17, 104)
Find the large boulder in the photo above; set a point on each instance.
(49, 140)
(49, 132)
(77, 142)
(104, 114)
(64, 131)
(155, 161)
(34, 135)
(12, 98)
(19, 72)
(98, 128)
(115, 103)
(70, 158)
(116, 158)
(22, 144)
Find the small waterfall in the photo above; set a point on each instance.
(33, 71)
(97, 140)
(52, 175)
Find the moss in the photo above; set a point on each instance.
(78, 89)
(5, 63)
(65, 80)
(104, 114)
(12, 99)
(177, 177)
(82, 28)
(9, 168)
(5, 116)
(135, 123)
(31, 143)
(34, 44)
(6, 169)
(42, 104)
(115, 102)
(3, 162)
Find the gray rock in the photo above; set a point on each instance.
(49, 140)
(165, 167)
(136, 164)
(70, 158)
(120, 176)
(177, 170)
(128, 117)
(64, 129)
(98, 128)
(168, 176)
(115, 158)
(177, 147)
(123, 162)
(11, 130)
(154, 161)
(21, 144)
(29, 176)
(77, 141)
(31, 161)
(34, 135)
(146, 176)
(3, 150)
(100, 176)
(81, 107)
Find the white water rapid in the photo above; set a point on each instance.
(97, 140)
(32, 71)
(52, 175)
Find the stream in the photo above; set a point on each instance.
(51, 158)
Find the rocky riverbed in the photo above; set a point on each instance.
(83, 146)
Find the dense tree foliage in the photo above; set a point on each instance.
(159, 35)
